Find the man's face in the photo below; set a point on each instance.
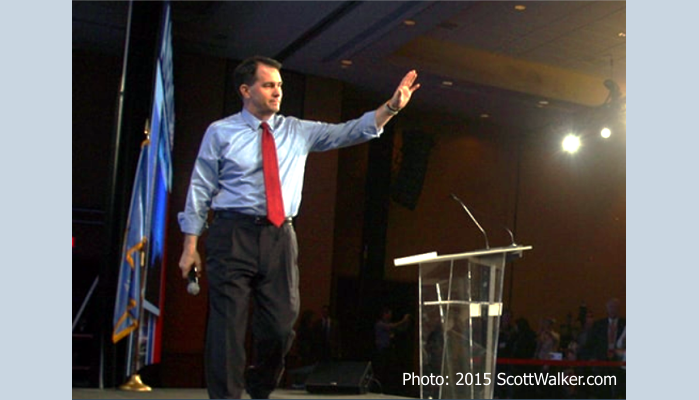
(264, 97)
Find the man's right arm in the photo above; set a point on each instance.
(400, 324)
(202, 186)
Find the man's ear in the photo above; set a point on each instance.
(244, 91)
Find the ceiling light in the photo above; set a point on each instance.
(571, 143)
(447, 83)
(606, 133)
(346, 63)
(543, 102)
(622, 34)
(520, 7)
(409, 22)
(484, 115)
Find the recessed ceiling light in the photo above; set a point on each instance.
(447, 83)
(520, 7)
(543, 102)
(622, 34)
(346, 63)
(484, 115)
(409, 22)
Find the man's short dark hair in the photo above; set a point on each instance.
(246, 72)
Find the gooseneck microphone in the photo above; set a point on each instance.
(512, 237)
(453, 196)
(193, 282)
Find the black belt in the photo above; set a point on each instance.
(254, 219)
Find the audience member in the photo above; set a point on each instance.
(547, 340)
(523, 347)
(433, 355)
(524, 342)
(583, 338)
(602, 345)
(327, 335)
(606, 332)
(567, 331)
(385, 358)
(506, 335)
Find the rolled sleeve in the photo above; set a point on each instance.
(326, 136)
(189, 226)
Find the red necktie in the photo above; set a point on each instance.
(273, 187)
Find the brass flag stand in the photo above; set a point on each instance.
(135, 384)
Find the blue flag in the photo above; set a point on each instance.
(128, 301)
(139, 302)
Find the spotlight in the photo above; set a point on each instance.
(606, 132)
(571, 143)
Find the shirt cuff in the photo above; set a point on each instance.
(189, 226)
(369, 119)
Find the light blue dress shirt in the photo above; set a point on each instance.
(228, 170)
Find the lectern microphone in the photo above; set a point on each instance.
(453, 196)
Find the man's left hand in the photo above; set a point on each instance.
(405, 90)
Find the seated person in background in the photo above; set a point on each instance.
(547, 340)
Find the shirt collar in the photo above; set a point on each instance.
(254, 123)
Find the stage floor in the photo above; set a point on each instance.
(160, 393)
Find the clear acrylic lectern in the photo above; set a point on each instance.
(460, 308)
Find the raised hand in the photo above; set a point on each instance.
(405, 90)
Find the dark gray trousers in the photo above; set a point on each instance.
(247, 260)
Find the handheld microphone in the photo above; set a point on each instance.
(193, 285)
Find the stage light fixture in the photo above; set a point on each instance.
(571, 143)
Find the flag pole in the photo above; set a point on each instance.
(134, 383)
